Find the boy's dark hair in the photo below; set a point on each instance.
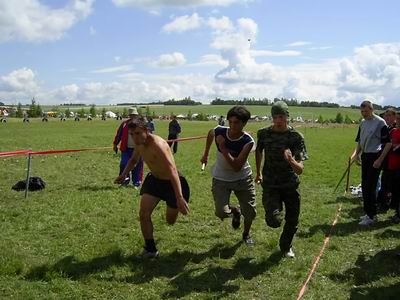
(138, 123)
(391, 111)
(367, 104)
(239, 112)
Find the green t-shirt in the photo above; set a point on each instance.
(277, 172)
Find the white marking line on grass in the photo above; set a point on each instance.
(317, 259)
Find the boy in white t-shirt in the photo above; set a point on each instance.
(232, 172)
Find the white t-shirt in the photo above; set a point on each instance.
(222, 170)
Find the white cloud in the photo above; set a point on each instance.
(123, 68)
(299, 44)
(183, 23)
(169, 60)
(32, 21)
(67, 92)
(117, 59)
(211, 60)
(257, 53)
(20, 80)
(371, 71)
(223, 23)
(157, 4)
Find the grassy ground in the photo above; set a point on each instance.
(78, 238)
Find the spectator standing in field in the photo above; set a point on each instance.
(174, 129)
(384, 193)
(127, 146)
(373, 143)
(393, 167)
(232, 171)
(221, 121)
(25, 118)
(150, 125)
(163, 183)
(284, 151)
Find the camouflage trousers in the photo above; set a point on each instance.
(273, 200)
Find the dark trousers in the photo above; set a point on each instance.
(395, 189)
(383, 199)
(273, 200)
(173, 136)
(369, 180)
(137, 172)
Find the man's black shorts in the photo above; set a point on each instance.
(163, 189)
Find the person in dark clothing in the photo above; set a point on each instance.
(284, 151)
(221, 121)
(373, 143)
(383, 199)
(174, 129)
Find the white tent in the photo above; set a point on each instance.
(110, 114)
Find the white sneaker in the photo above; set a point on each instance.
(367, 221)
(149, 255)
(290, 253)
(364, 217)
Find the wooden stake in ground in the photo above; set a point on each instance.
(348, 176)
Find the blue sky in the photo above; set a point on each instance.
(112, 51)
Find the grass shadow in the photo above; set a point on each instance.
(355, 212)
(368, 270)
(71, 268)
(376, 293)
(389, 234)
(346, 199)
(173, 264)
(215, 279)
(165, 266)
(209, 277)
(343, 229)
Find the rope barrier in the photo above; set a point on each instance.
(47, 152)
(318, 258)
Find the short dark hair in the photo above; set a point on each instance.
(367, 104)
(138, 123)
(239, 112)
(391, 110)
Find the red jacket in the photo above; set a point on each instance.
(122, 135)
(394, 156)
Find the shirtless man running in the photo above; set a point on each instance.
(163, 182)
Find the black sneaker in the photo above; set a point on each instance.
(236, 217)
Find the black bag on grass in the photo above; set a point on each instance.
(35, 184)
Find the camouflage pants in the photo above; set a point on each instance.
(273, 200)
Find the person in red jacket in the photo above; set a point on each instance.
(126, 146)
(393, 162)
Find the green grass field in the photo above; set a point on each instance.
(79, 238)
